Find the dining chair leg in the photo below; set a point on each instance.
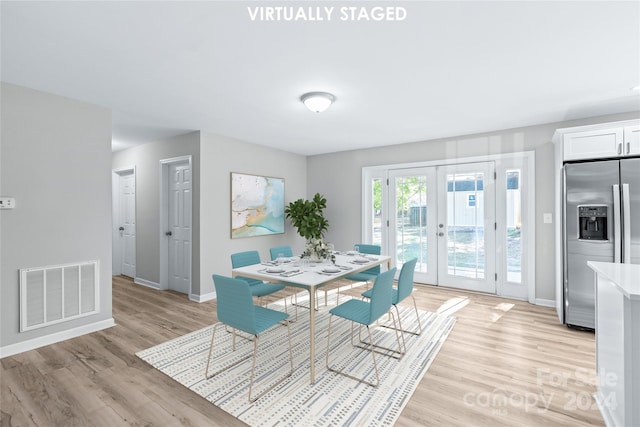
(337, 371)
(402, 347)
(206, 372)
(213, 335)
(415, 306)
(399, 329)
(253, 367)
(400, 323)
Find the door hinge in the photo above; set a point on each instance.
(495, 175)
(495, 225)
(387, 182)
(496, 277)
(387, 223)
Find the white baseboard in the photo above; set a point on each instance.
(546, 302)
(32, 344)
(147, 283)
(202, 298)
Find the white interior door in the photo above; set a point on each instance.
(466, 226)
(179, 224)
(413, 221)
(127, 223)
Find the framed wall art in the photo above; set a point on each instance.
(257, 205)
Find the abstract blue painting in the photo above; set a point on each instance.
(257, 205)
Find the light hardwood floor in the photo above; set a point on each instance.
(505, 363)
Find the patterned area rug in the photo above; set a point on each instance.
(333, 399)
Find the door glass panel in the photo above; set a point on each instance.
(465, 225)
(411, 221)
(376, 212)
(514, 226)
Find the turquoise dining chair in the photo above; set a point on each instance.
(235, 309)
(258, 288)
(370, 274)
(280, 250)
(404, 289)
(366, 314)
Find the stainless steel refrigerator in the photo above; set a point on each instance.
(601, 223)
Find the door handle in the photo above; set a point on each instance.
(626, 224)
(441, 234)
(617, 227)
(620, 148)
(628, 147)
(121, 228)
(168, 233)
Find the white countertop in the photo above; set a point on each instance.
(626, 277)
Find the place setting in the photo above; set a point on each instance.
(280, 271)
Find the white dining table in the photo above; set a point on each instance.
(311, 277)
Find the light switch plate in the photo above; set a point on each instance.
(547, 218)
(7, 202)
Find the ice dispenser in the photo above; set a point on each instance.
(593, 222)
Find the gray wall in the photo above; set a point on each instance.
(146, 158)
(214, 158)
(338, 176)
(55, 160)
(219, 157)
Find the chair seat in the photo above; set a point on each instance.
(394, 295)
(266, 318)
(262, 289)
(355, 310)
(362, 277)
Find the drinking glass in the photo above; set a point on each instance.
(357, 249)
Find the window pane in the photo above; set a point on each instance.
(465, 225)
(411, 221)
(514, 224)
(376, 221)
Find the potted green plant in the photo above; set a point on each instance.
(308, 218)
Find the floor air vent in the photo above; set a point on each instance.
(58, 293)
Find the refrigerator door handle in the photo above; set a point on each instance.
(616, 224)
(626, 225)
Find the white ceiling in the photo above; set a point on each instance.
(450, 68)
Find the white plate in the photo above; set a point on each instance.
(331, 270)
(274, 270)
(361, 260)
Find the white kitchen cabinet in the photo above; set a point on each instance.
(593, 144)
(632, 140)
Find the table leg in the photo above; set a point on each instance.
(312, 334)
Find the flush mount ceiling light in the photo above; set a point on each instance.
(317, 101)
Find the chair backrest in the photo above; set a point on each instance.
(234, 305)
(380, 301)
(371, 250)
(242, 259)
(405, 280)
(284, 250)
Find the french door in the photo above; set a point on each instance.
(466, 226)
(445, 217)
